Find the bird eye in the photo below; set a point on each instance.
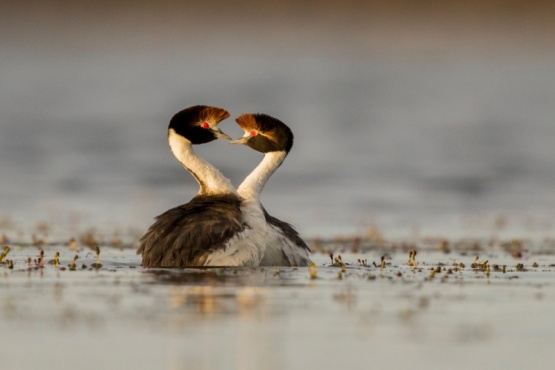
(205, 125)
(253, 133)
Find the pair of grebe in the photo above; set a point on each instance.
(221, 225)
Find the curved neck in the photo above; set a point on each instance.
(211, 180)
(253, 184)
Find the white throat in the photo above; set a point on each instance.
(253, 184)
(211, 180)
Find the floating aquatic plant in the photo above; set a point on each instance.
(313, 271)
(4, 254)
(382, 263)
(72, 266)
(41, 259)
(97, 264)
(56, 260)
(362, 262)
(480, 265)
(434, 271)
(412, 259)
(337, 261)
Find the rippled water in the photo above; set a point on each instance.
(398, 316)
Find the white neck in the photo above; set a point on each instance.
(211, 180)
(254, 183)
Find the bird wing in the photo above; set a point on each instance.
(294, 248)
(188, 234)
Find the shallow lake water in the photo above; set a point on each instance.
(415, 129)
(443, 312)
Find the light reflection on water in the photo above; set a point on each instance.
(251, 318)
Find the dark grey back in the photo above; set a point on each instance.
(186, 235)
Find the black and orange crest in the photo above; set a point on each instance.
(213, 114)
(247, 122)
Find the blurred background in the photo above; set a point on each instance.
(409, 116)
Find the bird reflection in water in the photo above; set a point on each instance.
(212, 290)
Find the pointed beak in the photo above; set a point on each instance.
(219, 134)
(241, 140)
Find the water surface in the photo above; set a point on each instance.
(399, 316)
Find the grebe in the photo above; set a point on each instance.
(213, 229)
(284, 246)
